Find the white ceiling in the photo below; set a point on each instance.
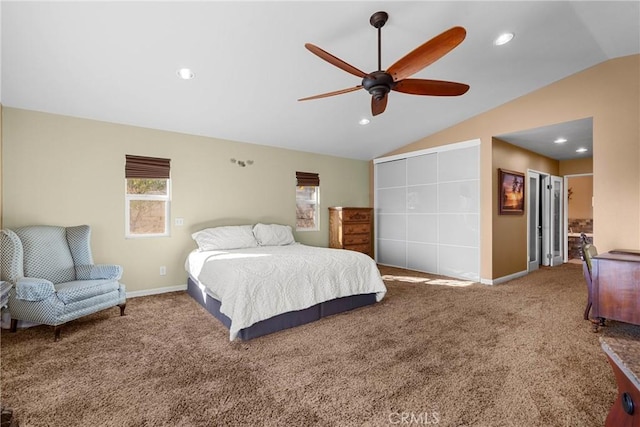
(578, 135)
(116, 61)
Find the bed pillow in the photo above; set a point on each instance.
(273, 234)
(226, 237)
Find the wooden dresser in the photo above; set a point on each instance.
(616, 285)
(351, 228)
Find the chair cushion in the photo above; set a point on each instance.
(78, 290)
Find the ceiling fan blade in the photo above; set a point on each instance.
(378, 105)
(427, 53)
(334, 60)
(337, 92)
(431, 87)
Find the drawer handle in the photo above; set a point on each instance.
(627, 403)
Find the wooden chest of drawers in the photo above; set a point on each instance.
(616, 286)
(351, 228)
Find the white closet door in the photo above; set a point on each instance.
(422, 212)
(391, 218)
(459, 213)
(428, 210)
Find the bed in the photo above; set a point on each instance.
(257, 279)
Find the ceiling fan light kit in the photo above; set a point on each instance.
(379, 83)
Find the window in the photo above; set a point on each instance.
(147, 196)
(307, 201)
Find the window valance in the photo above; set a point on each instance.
(147, 167)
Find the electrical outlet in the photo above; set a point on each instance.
(179, 222)
(163, 270)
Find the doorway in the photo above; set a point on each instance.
(579, 213)
(545, 220)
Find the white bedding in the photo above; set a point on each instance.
(254, 284)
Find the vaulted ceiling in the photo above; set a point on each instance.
(117, 62)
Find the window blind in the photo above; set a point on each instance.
(307, 179)
(147, 167)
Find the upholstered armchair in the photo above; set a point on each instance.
(53, 276)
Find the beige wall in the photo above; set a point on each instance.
(509, 236)
(610, 94)
(67, 171)
(579, 206)
(576, 166)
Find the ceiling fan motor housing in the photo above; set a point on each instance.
(378, 84)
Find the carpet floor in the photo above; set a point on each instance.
(433, 351)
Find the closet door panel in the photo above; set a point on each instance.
(422, 228)
(460, 164)
(422, 199)
(392, 252)
(391, 174)
(459, 196)
(392, 200)
(422, 257)
(461, 262)
(422, 169)
(459, 229)
(392, 227)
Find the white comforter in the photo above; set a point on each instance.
(258, 283)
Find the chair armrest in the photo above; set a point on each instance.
(34, 289)
(98, 271)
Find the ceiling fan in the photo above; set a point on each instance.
(380, 83)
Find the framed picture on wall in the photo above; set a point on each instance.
(510, 192)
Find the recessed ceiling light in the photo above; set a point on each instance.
(560, 140)
(503, 38)
(364, 121)
(582, 150)
(185, 74)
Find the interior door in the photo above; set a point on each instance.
(534, 225)
(545, 206)
(557, 238)
(552, 214)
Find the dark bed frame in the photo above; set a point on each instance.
(284, 320)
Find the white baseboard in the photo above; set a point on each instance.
(504, 278)
(156, 291)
